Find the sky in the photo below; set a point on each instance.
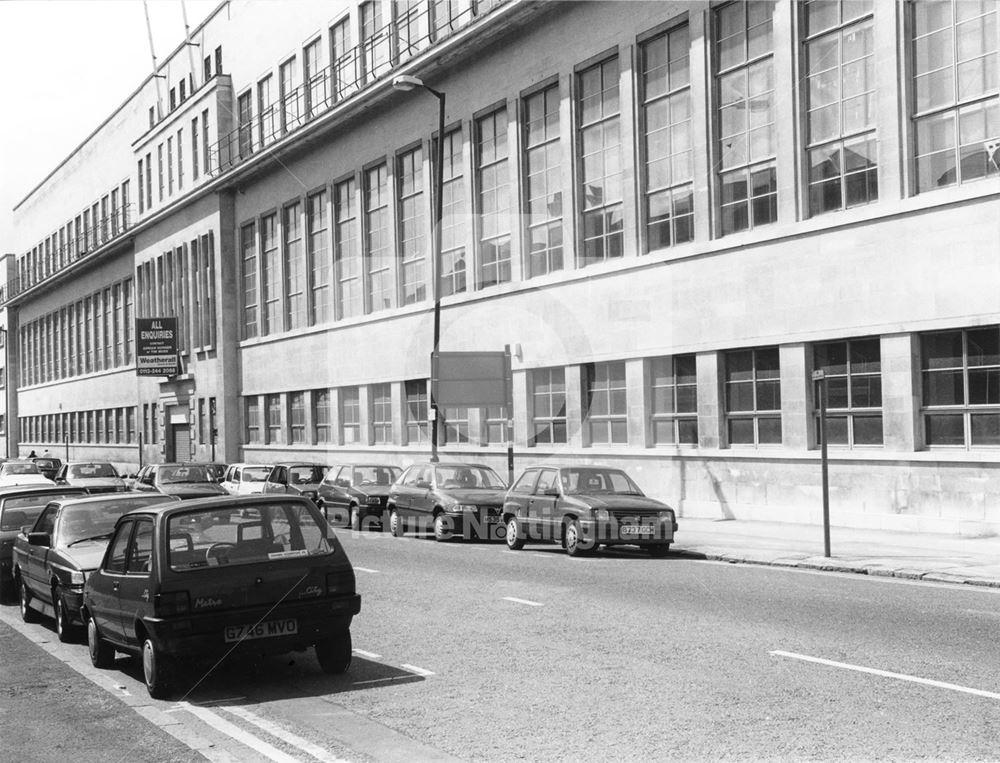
(65, 65)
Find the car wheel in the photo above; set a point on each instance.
(659, 551)
(395, 524)
(514, 540)
(574, 542)
(102, 654)
(442, 531)
(64, 628)
(355, 518)
(27, 613)
(156, 670)
(334, 653)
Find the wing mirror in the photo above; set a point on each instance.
(39, 539)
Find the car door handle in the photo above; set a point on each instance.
(115, 587)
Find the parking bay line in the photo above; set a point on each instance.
(522, 601)
(233, 731)
(365, 569)
(366, 655)
(887, 674)
(415, 669)
(286, 736)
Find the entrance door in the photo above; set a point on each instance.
(181, 442)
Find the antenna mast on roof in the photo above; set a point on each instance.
(187, 41)
(152, 54)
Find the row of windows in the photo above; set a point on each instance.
(361, 245)
(99, 223)
(95, 333)
(170, 162)
(960, 372)
(180, 283)
(107, 426)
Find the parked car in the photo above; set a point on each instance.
(180, 479)
(216, 471)
(221, 578)
(16, 472)
(245, 479)
(583, 507)
(66, 543)
(48, 465)
(456, 499)
(295, 478)
(95, 476)
(357, 493)
(20, 506)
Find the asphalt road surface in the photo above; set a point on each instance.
(470, 651)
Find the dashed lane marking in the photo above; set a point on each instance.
(522, 601)
(366, 655)
(415, 669)
(888, 674)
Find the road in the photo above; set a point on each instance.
(470, 651)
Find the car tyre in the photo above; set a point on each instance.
(574, 542)
(515, 541)
(102, 654)
(659, 551)
(354, 519)
(442, 534)
(395, 524)
(27, 613)
(334, 653)
(157, 670)
(65, 629)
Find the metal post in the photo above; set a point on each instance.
(820, 378)
(436, 265)
(509, 410)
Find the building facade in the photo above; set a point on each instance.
(673, 213)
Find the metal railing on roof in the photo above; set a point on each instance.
(372, 60)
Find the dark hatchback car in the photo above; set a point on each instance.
(20, 506)
(183, 480)
(66, 543)
(583, 507)
(357, 493)
(295, 478)
(48, 465)
(455, 499)
(201, 581)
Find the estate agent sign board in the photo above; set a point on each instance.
(156, 346)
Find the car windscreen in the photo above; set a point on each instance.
(17, 512)
(174, 474)
(305, 474)
(86, 471)
(256, 473)
(591, 481)
(46, 463)
(94, 521)
(374, 475)
(236, 534)
(12, 468)
(469, 477)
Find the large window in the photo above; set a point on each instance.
(745, 99)
(548, 398)
(297, 417)
(253, 430)
(493, 199)
(271, 275)
(667, 153)
(599, 146)
(753, 397)
(273, 403)
(350, 415)
(453, 218)
(288, 93)
(607, 404)
(342, 61)
(416, 411)
(412, 214)
(375, 40)
(674, 400)
(956, 84)
(321, 416)
(378, 248)
(347, 254)
(244, 113)
(840, 60)
(961, 387)
(295, 267)
(314, 78)
(319, 257)
(853, 378)
(265, 108)
(248, 248)
(381, 413)
(543, 175)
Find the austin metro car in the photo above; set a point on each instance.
(455, 499)
(65, 544)
(219, 579)
(356, 493)
(584, 507)
(95, 476)
(295, 478)
(184, 480)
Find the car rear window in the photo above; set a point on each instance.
(235, 534)
(27, 507)
(256, 473)
(92, 470)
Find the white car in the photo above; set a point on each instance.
(22, 473)
(245, 479)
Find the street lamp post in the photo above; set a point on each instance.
(406, 83)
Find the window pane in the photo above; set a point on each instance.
(769, 431)
(986, 429)
(867, 430)
(945, 429)
(943, 388)
(741, 431)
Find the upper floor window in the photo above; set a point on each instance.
(375, 40)
(493, 199)
(599, 147)
(543, 176)
(745, 99)
(319, 256)
(674, 400)
(412, 214)
(313, 78)
(668, 213)
(840, 60)
(454, 221)
(607, 404)
(342, 59)
(753, 396)
(244, 111)
(288, 94)
(295, 267)
(378, 248)
(853, 378)
(270, 274)
(960, 371)
(956, 84)
(347, 251)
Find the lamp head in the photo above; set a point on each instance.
(406, 83)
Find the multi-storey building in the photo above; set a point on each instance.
(673, 212)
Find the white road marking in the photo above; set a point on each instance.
(888, 674)
(366, 655)
(522, 601)
(415, 669)
(365, 569)
(223, 726)
(286, 736)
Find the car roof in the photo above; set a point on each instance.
(115, 497)
(6, 490)
(87, 461)
(241, 464)
(247, 501)
(298, 463)
(473, 464)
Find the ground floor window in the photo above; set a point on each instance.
(607, 404)
(548, 398)
(673, 400)
(753, 397)
(853, 377)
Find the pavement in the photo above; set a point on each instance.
(915, 556)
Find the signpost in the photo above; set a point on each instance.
(156, 346)
(820, 378)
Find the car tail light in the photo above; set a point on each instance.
(171, 604)
(340, 582)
